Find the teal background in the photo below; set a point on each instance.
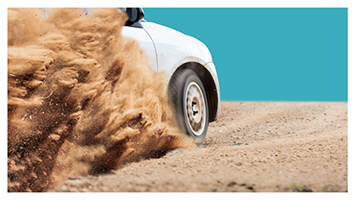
(270, 54)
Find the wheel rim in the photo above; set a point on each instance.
(196, 109)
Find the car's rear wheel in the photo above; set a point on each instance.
(189, 100)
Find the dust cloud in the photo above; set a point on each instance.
(82, 99)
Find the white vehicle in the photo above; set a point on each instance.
(191, 75)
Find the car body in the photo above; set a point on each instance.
(182, 58)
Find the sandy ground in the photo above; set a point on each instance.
(252, 147)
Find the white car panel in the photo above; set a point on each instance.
(145, 42)
(174, 48)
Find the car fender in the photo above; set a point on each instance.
(174, 49)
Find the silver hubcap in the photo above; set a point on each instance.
(195, 105)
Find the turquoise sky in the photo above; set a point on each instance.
(270, 54)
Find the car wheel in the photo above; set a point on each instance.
(188, 97)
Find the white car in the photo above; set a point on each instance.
(191, 75)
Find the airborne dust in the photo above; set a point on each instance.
(82, 99)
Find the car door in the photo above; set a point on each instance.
(145, 42)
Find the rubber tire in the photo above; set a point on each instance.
(177, 93)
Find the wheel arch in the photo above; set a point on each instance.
(208, 83)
